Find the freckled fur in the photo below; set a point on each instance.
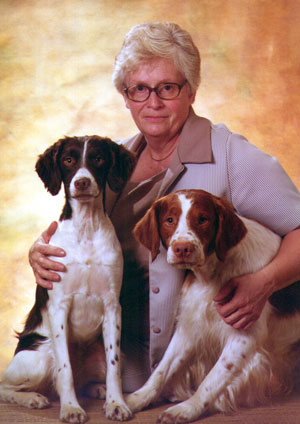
(209, 365)
(60, 340)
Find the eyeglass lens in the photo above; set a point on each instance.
(166, 91)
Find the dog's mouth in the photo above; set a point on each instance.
(85, 197)
(182, 264)
(186, 263)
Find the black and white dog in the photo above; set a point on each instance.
(60, 340)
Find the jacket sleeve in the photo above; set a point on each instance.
(260, 188)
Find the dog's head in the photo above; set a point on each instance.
(84, 165)
(192, 224)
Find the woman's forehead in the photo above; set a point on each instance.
(154, 71)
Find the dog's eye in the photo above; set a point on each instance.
(170, 220)
(98, 160)
(202, 219)
(69, 161)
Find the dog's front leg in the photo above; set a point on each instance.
(176, 355)
(115, 406)
(228, 367)
(70, 410)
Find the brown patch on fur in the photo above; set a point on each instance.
(189, 280)
(159, 223)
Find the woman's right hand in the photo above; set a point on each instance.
(42, 266)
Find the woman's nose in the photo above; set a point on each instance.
(154, 101)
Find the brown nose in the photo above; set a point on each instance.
(82, 184)
(183, 249)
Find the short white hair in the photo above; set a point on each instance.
(158, 39)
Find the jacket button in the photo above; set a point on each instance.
(155, 290)
(156, 330)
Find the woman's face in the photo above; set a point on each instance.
(157, 118)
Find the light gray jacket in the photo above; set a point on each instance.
(211, 158)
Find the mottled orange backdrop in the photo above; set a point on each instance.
(56, 64)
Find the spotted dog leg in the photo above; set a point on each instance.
(174, 358)
(228, 366)
(115, 406)
(70, 410)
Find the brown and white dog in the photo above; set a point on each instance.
(210, 365)
(65, 323)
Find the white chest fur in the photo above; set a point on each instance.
(94, 266)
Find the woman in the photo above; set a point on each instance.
(158, 73)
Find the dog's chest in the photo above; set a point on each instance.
(94, 268)
(199, 318)
(94, 263)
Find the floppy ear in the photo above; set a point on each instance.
(231, 229)
(123, 163)
(48, 169)
(146, 230)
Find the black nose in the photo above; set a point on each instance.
(82, 184)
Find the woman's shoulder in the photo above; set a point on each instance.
(131, 143)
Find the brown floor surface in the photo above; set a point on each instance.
(284, 411)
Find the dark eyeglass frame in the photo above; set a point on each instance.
(155, 89)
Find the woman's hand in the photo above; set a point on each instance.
(241, 301)
(42, 266)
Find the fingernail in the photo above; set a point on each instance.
(61, 252)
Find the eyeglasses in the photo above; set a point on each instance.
(164, 90)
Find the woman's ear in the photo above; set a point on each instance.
(126, 100)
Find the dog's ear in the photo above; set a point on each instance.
(231, 229)
(146, 231)
(123, 163)
(48, 169)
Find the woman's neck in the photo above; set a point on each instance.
(161, 150)
(154, 158)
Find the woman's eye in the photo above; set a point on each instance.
(167, 87)
(140, 88)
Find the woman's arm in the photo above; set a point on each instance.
(241, 301)
(41, 265)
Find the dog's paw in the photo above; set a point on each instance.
(117, 411)
(95, 391)
(73, 414)
(134, 402)
(177, 414)
(30, 400)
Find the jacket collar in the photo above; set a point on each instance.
(194, 142)
(194, 147)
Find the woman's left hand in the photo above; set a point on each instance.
(241, 301)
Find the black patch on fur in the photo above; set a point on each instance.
(29, 341)
(28, 338)
(287, 300)
(118, 164)
(34, 318)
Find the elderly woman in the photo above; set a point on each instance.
(158, 72)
